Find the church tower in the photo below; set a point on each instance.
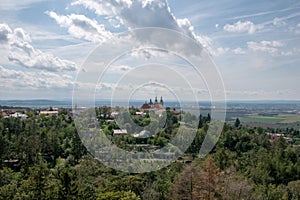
(161, 101)
(151, 103)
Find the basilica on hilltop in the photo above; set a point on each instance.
(157, 105)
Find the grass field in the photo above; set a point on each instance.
(291, 119)
(282, 119)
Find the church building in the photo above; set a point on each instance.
(153, 106)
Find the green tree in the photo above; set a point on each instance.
(119, 195)
(38, 177)
(69, 185)
(237, 123)
(294, 190)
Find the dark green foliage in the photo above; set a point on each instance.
(237, 122)
(43, 158)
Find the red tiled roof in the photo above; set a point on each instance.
(4, 114)
(145, 106)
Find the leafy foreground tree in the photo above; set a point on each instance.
(43, 158)
(206, 181)
(196, 182)
(122, 195)
(237, 123)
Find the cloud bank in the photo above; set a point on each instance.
(82, 27)
(21, 52)
(241, 27)
(265, 46)
(10, 78)
(126, 14)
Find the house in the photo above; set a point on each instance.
(14, 114)
(274, 136)
(5, 114)
(14, 164)
(140, 113)
(114, 114)
(109, 121)
(46, 112)
(142, 134)
(288, 139)
(19, 115)
(120, 132)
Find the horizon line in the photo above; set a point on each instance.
(227, 100)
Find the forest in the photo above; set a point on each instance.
(42, 157)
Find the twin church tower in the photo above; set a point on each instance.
(155, 105)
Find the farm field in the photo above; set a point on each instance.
(281, 118)
(272, 121)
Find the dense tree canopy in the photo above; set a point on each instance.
(42, 157)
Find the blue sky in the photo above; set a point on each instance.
(254, 44)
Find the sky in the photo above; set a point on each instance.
(254, 46)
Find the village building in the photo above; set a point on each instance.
(47, 112)
(19, 115)
(120, 132)
(4, 114)
(275, 136)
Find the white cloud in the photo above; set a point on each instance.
(54, 80)
(23, 53)
(6, 73)
(13, 79)
(97, 6)
(261, 94)
(265, 46)
(21, 35)
(16, 5)
(5, 32)
(120, 69)
(241, 27)
(296, 29)
(147, 53)
(287, 53)
(29, 57)
(107, 87)
(220, 51)
(243, 93)
(278, 22)
(141, 13)
(82, 27)
(239, 51)
(128, 14)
